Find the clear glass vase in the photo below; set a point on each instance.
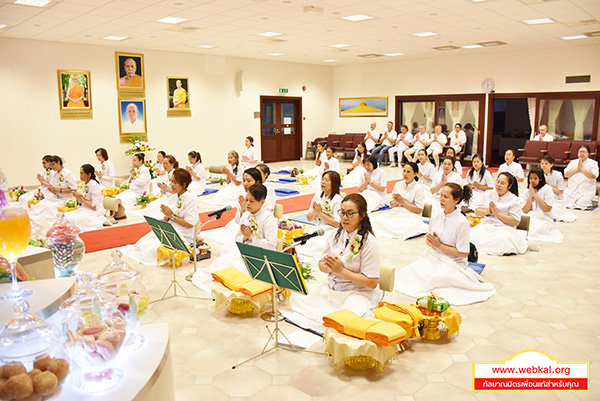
(66, 246)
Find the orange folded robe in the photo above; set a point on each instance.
(349, 323)
(235, 280)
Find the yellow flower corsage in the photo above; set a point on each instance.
(354, 248)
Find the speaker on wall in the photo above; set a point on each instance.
(239, 81)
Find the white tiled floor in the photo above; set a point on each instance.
(546, 300)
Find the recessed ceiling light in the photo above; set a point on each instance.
(471, 46)
(357, 17)
(538, 21)
(329, 61)
(393, 54)
(34, 3)
(340, 45)
(205, 46)
(424, 34)
(111, 37)
(269, 34)
(3, 26)
(171, 20)
(574, 37)
(275, 54)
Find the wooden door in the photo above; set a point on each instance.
(281, 128)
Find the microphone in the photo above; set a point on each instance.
(306, 237)
(219, 212)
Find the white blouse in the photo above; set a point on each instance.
(435, 144)
(413, 192)
(141, 182)
(64, 179)
(547, 196)
(514, 168)
(452, 176)
(453, 230)
(487, 179)
(199, 170)
(334, 165)
(427, 169)
(251, 154)
(186, 206)
(108, 173)
(366, 262)
(408, 137)
(266, 229)
(555, 179)
(330, 207)
(239, 176)
(508, 204)
(584, 184)
(271, 197)
(378, 177)
(421, 137)
(93, 193)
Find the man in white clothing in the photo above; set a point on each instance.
(438, 142)
(420, 141)
(543, 135)
(388, 139)
(372, 137)
(404, 142)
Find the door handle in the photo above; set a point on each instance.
(278, 131)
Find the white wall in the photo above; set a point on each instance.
(30, 118)
(543, 70)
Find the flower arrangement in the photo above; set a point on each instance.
(125, 185)
(287, 230)
(306, 270)
(69, 206)
(144, 199)
(354, 247)
(221, 180)
(254, 226)
(138, 146)
(150, 166)
(432, 304)
(16, 192)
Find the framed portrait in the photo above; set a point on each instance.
(178, 92)
(364, 107)
(74, 89)
(130, 71)
(132, 118)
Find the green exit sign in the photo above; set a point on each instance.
(283, 90)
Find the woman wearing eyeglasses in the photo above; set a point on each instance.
(351, 262)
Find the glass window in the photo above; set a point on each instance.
(268, 113)
(287, 113)
(568, 118)
(269, 131)
(467, 114)
(418, 113)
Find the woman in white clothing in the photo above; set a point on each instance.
(581, 174)
(257, 226)
(320, 157)
(164, 188)
(106, 169)
(443, 267)
(234, 174)
(458, 138)
(404, 220)
(196, 169)
(444, 176)
(182, 215)
(324, 213)
(61, 186)
(426, 169)
(457, 166)
(265, 172)
(331, 163)
(539, 200)
(158, 168)
(511, 166)
(500, 215)
(250, 155)
(357, 169)
(372, 185)
(556, 181)
(44, 180)
(351, 261)
(479, 179)
(139, 181)
(90, 215)
(402, 144)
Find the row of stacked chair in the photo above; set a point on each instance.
(562, 151)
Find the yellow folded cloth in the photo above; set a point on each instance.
(165, 253)
(235, 280)
(65, 209)
(111, 191)
(406, 316)
(452, 320)
(349, 323)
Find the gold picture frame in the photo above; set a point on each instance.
(363, 107)
(130, 71)
(132, 119)
(74, 93)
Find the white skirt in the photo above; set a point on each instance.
(352, 177)
(86, 219)
(398, 223)
(127, 198)
(575, 198)
(374, 201)
(222, 234)
(46, 208)
(434, 272)
(144, 251)
(197, 188)
(229, 195)
(498, 240)
(542, 228)
(560, 213)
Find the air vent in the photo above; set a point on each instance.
(528, 2)
(492, 43)
(578, 79)
(582, 22)
(594, 34)
(445, 48)
(370, 55)
(177, 28)
(313, 10)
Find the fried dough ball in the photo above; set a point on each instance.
(18, 386)
(3, 395)
(33, 397)
(45, 383)
(44, 364)
(60, 368)
(34, 372)
(13, 369)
